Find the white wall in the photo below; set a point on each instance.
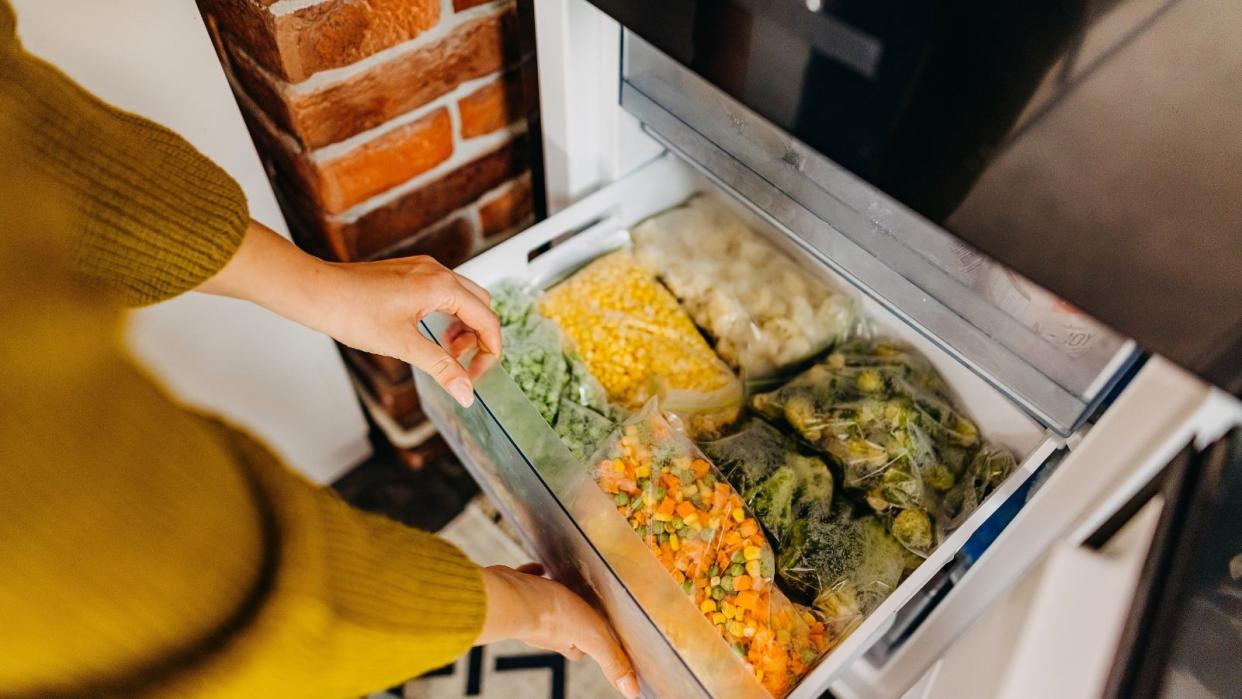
(281, 381)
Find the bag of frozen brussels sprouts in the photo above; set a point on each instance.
(536, 357)
(762, 310)
(699, 529)
(640, 344)
(885, 417)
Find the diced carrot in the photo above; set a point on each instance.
(741, 583)
(667, 506)
(685, 508)
(670, 481)
(700, 468)
(748, 528)
(733, 539)
(746, 600)
(679, 577)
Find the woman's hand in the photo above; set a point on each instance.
(370, 306)
(543, 613)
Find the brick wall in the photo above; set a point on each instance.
(387, 127)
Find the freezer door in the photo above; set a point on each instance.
(1090, 145)
(1049, 357)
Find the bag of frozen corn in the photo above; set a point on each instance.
(640, 344)
(547, 371)
(763, 311)
(885, 416)
(699, 529)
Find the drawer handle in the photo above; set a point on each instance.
(564, 237)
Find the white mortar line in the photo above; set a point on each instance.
(442, 29)
(469, 150)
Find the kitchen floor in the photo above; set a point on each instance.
(436, 494)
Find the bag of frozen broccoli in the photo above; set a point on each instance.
(699, 529)
(777, 481)
(640, 344)
(842, 566)
(762, 311)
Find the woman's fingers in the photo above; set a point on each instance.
(592, 637)
(475, 289)
(443, 367)
(475, 313)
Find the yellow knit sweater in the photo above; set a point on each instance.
(146, 550)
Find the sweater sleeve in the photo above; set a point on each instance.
(154, 217)
(149, 551)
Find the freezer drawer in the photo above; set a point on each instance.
(521, 463)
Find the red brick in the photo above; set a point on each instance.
(398, 220)
(399, 400)
(398, 85)
(491, 107)
(337, 33)
(459, 5)
(385, 162)
(248, 23)
(450, 243)
(507, 209)
(325, 35)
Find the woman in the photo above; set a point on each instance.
(149, 550)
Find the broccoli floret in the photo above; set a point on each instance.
(816, 483)
(870, 381)
(772, 501)
(842, 565)
(900, 486)
(913, 528)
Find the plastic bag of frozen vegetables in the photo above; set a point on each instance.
(561, 388)
(778, 483)
(699, 529)
(762, 310)
(640, 344)
(885, 417)
(844, 567)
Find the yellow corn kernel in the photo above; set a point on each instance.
(735, 628)
(752, 553)
(752, 568)
(738, 515)
(727, 608)
(642, 471)
(708, 606)
(718, 618)
(673, 542)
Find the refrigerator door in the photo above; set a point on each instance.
(1054, 360)
(1089, 145)
(512, 451)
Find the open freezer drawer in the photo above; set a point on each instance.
(574, 529)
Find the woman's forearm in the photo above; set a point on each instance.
(371, 306)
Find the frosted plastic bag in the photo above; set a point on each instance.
(699, 529)
(884, 415)
(842, 566)
(778, 483)
(763, 311)
(640, 344)
(536, 357)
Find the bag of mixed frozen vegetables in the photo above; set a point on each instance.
(843, 567)
(639, 343)
(763, 311)
(885, 417)
(699, 529)
(536, 357)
